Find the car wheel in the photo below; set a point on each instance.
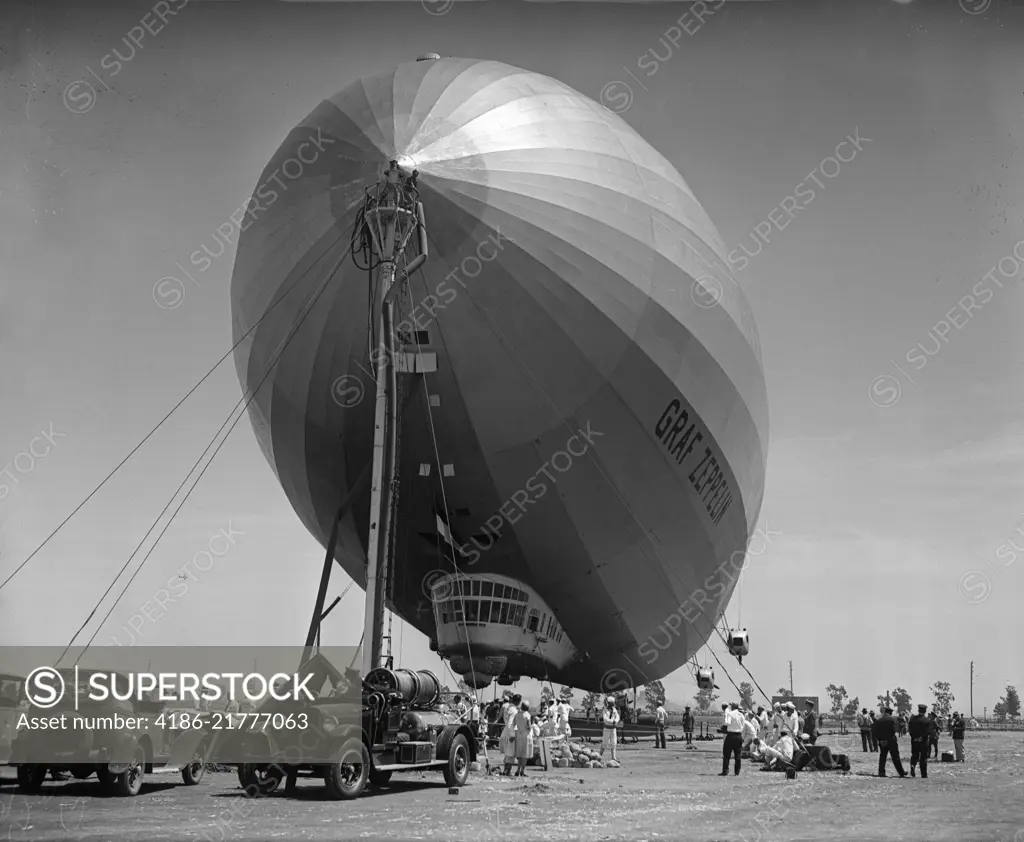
(193, 773)
(348, 779)
(456, 772)
(259, 778)
(128, 783)
(31, 777)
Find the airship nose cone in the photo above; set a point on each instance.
(406, 163)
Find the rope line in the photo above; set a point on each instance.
(247, 401)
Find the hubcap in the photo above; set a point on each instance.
(350, 773)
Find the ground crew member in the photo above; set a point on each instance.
(781, 752)
(864, 723)
(871, 731)
(957, 728)
(884, 732)
(762, 721)
(733, 743)
(933, 736)
(750, 730)
(688, 725)
(792, 719)
(610, 721)
(562, 711)
(811, 723)
(778, 721)
(661, 721)
(920, 731)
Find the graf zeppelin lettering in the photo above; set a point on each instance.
(680, 437)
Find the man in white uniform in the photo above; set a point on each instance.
(762, 721)
(792, 719)
(733, 743)
(781, 752)
(750, 730)
(562, 713)
(610, 720)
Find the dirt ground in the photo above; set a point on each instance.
(656, 795)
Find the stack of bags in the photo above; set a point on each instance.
(579, 756)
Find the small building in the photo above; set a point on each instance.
(801, 708)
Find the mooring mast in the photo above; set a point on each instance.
(391, 212)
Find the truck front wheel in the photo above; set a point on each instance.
(348, 779)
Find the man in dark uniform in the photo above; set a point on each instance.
(688, 725)
(884, 733)
(920, 729)
(811, 723)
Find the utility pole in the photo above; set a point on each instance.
(972, 689)
(790, 678)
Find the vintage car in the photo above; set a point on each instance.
(12, 703)
(121, 741)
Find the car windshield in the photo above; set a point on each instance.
(10, 690)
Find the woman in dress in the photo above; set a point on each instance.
(507, 743)
(523, 738)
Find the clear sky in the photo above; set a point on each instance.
(891, 566)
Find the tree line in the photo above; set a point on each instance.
(843, 707)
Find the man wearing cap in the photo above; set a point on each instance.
(778, 720)
(733, 743)
(762, 721)
(811, 723)
(660, 720)
(792, 719)
(884, 731)
(871, 730)
(864, 723)
(920, 728)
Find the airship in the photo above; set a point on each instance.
(583, 426)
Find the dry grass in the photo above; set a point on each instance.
(657, 795)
